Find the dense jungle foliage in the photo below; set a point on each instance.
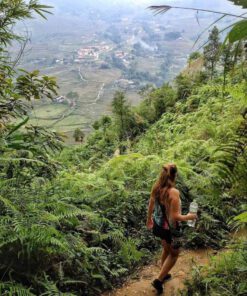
(72, 220)
(225, 275)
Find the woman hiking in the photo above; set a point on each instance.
(166, 204)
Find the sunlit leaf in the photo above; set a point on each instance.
(238, 32)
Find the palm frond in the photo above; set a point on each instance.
(160, 9)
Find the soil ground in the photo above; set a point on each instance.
(141, 284)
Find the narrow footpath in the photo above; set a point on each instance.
(141, 284)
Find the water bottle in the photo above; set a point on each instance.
(193, 209)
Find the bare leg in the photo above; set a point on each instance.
(165, 252)
(169, 263)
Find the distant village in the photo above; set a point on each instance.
(92, 52)
(63, 100)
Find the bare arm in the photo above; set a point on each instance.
(150, 211)
(175, 213)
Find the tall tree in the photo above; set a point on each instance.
(16, 91)
(211, 51)
(242, 3)
(121, 110)
(78, 135)
(184, 86)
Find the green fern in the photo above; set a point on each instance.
(13, 289)
(227, 156)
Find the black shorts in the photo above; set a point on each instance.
(165, 234)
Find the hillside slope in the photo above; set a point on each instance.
(195, 135)
(140, 284)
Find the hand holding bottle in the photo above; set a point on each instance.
(192, 216)
(193, 212)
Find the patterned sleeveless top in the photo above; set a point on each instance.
(160, 216)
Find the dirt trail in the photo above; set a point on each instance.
(141, 285)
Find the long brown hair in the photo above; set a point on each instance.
(165, 181)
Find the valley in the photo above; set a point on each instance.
(93, 54)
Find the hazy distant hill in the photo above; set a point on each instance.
(95, 47)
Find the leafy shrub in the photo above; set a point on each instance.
(225, 275)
